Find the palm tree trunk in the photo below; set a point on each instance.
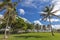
(51, 27)
(5, 36)
(7, 25)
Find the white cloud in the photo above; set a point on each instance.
(22, 11)
(1, 2)
(33, 3)
(57, 6)
(1, 16)
(54, 20)
(28, 3)
(44, 0)
(25, 20)
(56, 26)
(37, 22)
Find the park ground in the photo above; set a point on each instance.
(33, 36)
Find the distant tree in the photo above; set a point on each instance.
(44, 27)
(29, 26)
(58, 30)
(19, 24)
(49, 27)
(37, 27)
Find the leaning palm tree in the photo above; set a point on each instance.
(48, 13)
(10, 12)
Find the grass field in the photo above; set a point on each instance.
(33, 36)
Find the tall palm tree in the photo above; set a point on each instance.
(10, 12)
(48, 13)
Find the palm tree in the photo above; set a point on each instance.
(10, 12)
(48, 13)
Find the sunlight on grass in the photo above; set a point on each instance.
(34, 36)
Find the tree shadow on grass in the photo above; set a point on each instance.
(31, 36)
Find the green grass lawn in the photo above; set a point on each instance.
(33, 36)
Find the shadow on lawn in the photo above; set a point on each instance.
(31, 36)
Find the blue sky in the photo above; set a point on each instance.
(30, 10)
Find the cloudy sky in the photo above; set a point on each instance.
(30, 10)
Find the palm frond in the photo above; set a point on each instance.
(52, 7)
(44, 18)
(46, 9)
(2, 5)
(56, 15)
(15, 3)
(2, 9)
(55, 11)
(43, 14)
